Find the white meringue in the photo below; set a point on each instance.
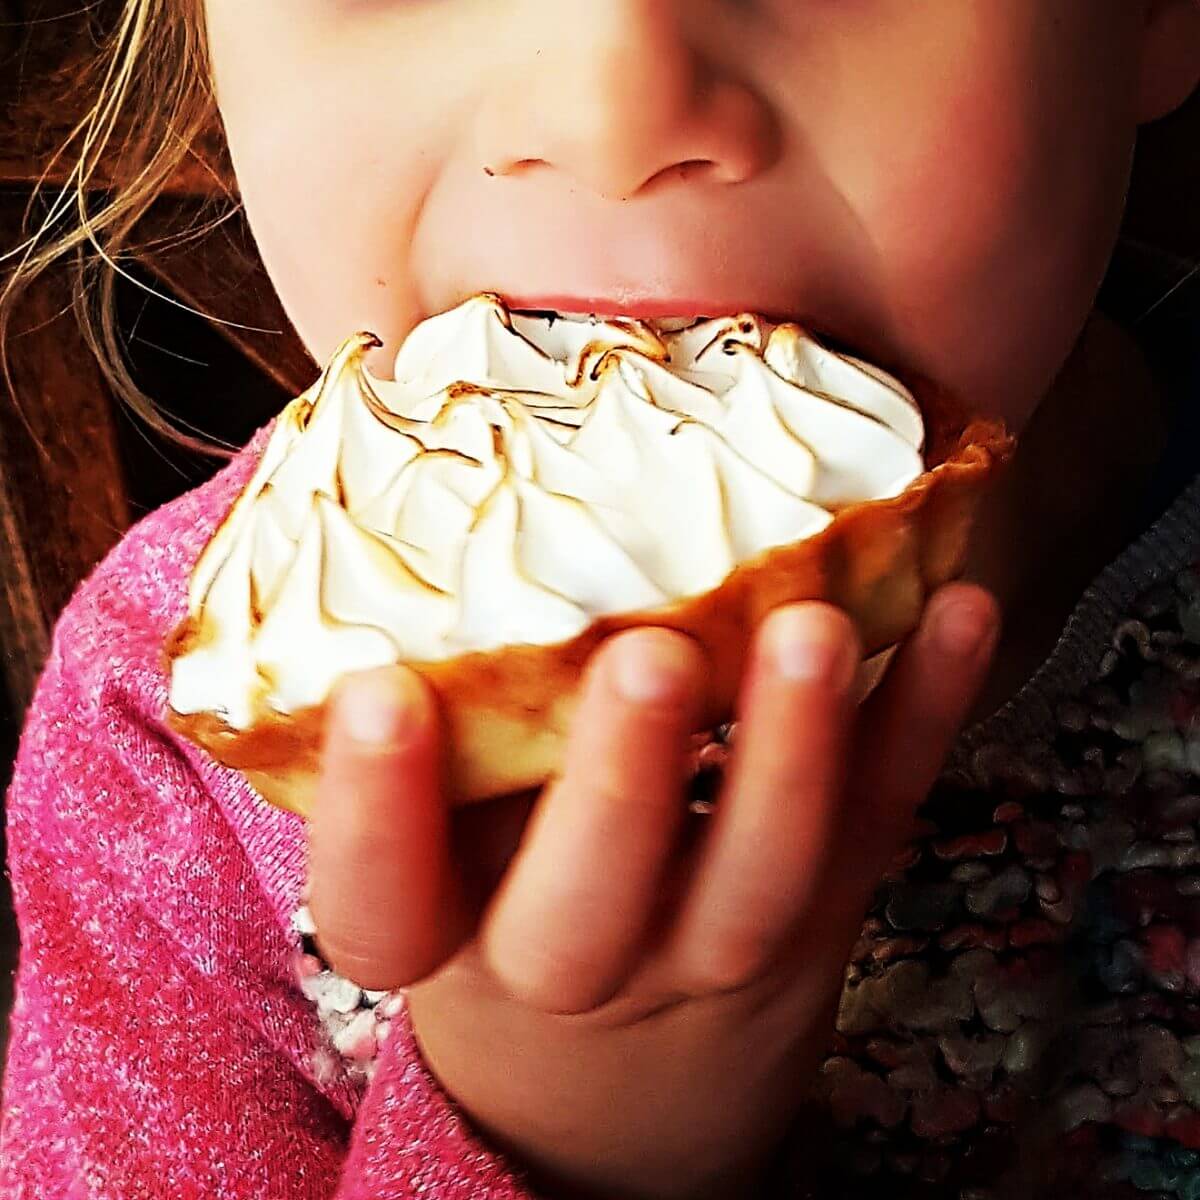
(520, 476)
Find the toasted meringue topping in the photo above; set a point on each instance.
(520, 476)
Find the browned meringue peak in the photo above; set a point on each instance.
(519, 476)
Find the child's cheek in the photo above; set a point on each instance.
(948, 208)
(332, 205)
(334, 167)
(991, 234)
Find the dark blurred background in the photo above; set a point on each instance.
(229, 383)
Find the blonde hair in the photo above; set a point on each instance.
(149, 102)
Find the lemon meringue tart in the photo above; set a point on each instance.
(526, 485)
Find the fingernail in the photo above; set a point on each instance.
(961, 630)
(804, 648)
(381, 708)
(653, 670)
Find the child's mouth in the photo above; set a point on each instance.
(664, 316)
(658, 324)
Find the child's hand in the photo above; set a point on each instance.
(630, 997)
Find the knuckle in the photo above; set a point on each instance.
(361, 968)
(614, 800)
(547, 980)
(372, 963)
(729, 962)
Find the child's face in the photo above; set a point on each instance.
(936, 185)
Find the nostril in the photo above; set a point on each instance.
(689, 171)
(514, 166)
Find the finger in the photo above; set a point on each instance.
(568, 919)
(384, 896)
(909, 724)
(773, 821)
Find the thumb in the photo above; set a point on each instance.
(383, 892)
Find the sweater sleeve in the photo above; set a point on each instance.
(160, 1044)
(409, 1140)
(136, 1066)
(127, 1077)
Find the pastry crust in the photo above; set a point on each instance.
(506, 712)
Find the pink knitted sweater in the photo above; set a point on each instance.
(161, 1044)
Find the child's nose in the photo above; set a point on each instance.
(620, 98)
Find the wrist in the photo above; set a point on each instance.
(598, 1153)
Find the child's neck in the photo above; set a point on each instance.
(1068, 503)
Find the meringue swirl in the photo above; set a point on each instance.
(518, 477)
